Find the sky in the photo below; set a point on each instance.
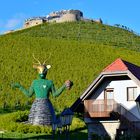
(124, 12)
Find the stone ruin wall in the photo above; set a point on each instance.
(58, 17)
(33, 22)
(67, 18)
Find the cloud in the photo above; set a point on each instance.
(12, 23)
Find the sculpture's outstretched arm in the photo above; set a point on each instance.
(57, 92)
(28, 92)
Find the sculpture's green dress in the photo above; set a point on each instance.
(42, 111)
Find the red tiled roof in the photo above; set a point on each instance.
(121, 65)
(117, 65)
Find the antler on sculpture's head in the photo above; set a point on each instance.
(41, 68)
(37, 60)
(44, 63)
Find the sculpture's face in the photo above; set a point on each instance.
(42, 70)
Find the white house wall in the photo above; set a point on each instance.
(120, 94)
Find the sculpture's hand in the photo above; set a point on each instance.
(68, 84)
(15, 85)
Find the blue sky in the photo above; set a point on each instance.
(125, 12)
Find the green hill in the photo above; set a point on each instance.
(79, 51)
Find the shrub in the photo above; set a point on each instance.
(14, 122)
(23, 128)
(77, 124)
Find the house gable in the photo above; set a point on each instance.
(122, 65)
(117, 65)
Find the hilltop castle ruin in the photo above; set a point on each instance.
(58, 17)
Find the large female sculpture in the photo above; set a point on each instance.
(42, 112)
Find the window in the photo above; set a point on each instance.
(109, 93)
(131, 93)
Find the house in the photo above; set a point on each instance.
(108, 104)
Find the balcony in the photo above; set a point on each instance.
(104, 109)
(99, 108)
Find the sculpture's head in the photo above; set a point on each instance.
(41, 68)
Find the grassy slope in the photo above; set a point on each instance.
(79, 51)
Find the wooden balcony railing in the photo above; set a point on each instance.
(99, 108)
(104, 108)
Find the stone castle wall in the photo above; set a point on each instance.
(67, 18)
(58, 17)
(33, 22)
